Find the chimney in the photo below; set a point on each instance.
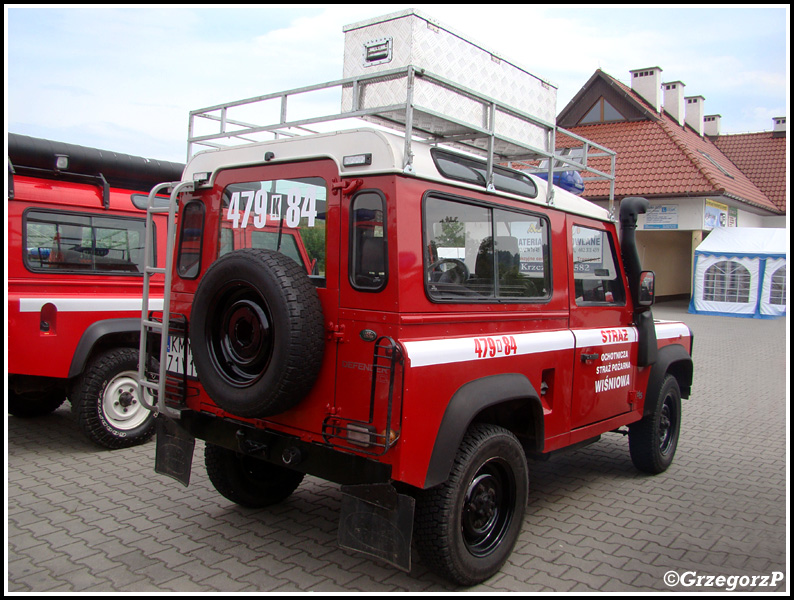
(674, 100)
(648, 84)
(711, 125)
(694, 113)
(779, 124)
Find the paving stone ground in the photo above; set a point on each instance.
(81, 519)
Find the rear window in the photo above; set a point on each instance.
(286, 215)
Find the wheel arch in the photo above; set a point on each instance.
(508, 400)
(672, 360)
(101, 335)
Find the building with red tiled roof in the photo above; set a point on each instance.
(668, 152)
(761, 157)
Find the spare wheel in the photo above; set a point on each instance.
(256, 332)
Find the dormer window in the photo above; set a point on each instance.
(601, 112)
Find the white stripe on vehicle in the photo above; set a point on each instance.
(27, 305)
(666, 330)
(454, 350)
(605, 336)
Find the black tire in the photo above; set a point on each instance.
(653, 439)
(256, 333)
(37, 403)
(248, 481)
(465, 529)
(106, 401)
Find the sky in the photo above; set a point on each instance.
(124, 78)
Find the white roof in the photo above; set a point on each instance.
(745, 241)
(387, 150)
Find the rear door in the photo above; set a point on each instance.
(290, 208)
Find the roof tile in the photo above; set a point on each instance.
(762, 157)
(659, 157)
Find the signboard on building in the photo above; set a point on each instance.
(733, 217)
(715, 215)
(662, 216)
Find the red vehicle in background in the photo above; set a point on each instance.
(75, 258)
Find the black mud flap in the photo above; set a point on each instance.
(174, 452)
(377, 521)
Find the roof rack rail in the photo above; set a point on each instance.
(501, 134)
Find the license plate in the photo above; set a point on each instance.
(175, 357)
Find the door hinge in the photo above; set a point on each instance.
(347, 186)
(634, 397)
(336, 332)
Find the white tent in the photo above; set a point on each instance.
(741, 272)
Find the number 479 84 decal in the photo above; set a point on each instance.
(488, 347)
(265, 205)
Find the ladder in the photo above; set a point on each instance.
(156, 382)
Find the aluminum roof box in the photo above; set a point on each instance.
(408, 38)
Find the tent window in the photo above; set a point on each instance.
(777, 294)
(727, 281)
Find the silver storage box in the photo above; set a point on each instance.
(396, 41)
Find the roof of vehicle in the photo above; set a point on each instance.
(36, 157)
(386, 152)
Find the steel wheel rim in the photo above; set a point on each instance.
(667, 425)
(121, 403)
(240, 335)
(488, 508)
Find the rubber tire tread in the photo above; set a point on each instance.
(644, 437)
(435, 521)
(86, 399)
(226, 473)
(284, 384)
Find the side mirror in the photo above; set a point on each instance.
(645, 294)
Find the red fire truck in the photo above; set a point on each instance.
(75, 258)
(450, 331)
(460, 316)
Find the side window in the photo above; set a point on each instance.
(478, 253)
(191, 235)
(522, 255)
(286, 215)
(85, 243)
(597, 280)
(368, 242)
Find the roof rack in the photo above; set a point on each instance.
(503, 134)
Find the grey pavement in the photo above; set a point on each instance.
(82, 519)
